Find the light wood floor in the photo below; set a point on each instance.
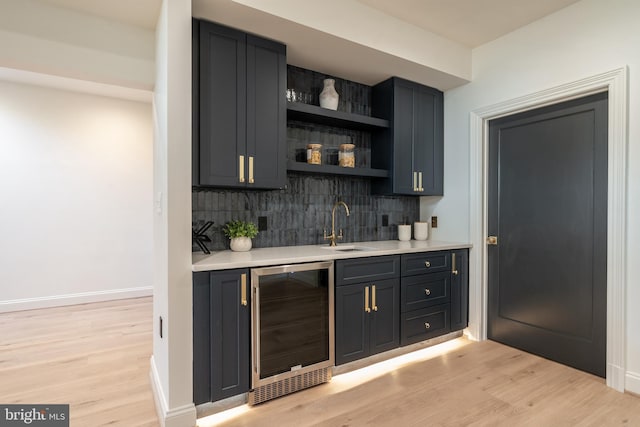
(96, 358)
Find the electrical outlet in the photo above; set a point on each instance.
(434, 222)
(385, 220)
(160, 327)
(262, 223)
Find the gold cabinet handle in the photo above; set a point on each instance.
(427, 264)
(420, 187)
(454, 270)
(373, 297)
(251, 181)
(415, 181)
(366, 300)
(243, 289)
(427, 325)
(241, 169)
(427, 292)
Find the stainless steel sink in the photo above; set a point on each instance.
(346, 248)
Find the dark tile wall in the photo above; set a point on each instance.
(298, 214)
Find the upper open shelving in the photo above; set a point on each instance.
(319, 115)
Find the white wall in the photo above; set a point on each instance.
(41, 37)
(75, 191)
(585, 39)
(171, 364)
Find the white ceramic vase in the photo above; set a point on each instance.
(329, 97)
(421, 230)
(240, 244)
(404, 232)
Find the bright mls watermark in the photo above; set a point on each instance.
(34, 415)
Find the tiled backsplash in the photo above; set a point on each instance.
(298, 214)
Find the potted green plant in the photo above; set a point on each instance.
(240, 232)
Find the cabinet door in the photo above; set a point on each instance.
(385, 315)
(459, 289)
(201, 338)
(404, 133)
(428, 142)
(352, 324)
(230, 333)
(222, 93)
(266, 113)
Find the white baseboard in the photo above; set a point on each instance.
(72, 299)
(632, 382)
(183, 416)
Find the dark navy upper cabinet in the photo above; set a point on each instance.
(221, 334)
(412, 148)
(239, 119)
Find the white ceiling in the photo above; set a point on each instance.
(469, 22)
(139, 13)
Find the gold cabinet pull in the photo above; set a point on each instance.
(243, 289)
(427, 264)
(251, 181)
(454, 270)
(366, 300)
(241, 169)
(373, 297)
(420, 187)
(415, 181)
(427, 325)
(427, 292)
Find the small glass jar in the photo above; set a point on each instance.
(346, 157)
(314, 154)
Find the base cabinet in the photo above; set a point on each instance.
(221, 335)
(367, 313)
(434, 293)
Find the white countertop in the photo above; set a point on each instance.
(260, 257)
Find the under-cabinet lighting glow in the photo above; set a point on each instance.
(342, 382)
(222, 417)
(355, 378)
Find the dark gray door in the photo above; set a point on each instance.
(548, 209)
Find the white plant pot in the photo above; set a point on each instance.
(240, 244)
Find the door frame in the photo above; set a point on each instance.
(615, 83)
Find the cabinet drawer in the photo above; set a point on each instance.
(420, 325)
(360, 270)
(425, 290)
(426, 262)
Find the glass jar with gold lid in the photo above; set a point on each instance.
(314, 154)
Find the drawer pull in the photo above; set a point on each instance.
(427, 292)
(427, 264)
(427, 325)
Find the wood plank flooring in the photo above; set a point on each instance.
(479, 384)
(96, 358)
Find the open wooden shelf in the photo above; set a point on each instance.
(336, 170)
(319, 115)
